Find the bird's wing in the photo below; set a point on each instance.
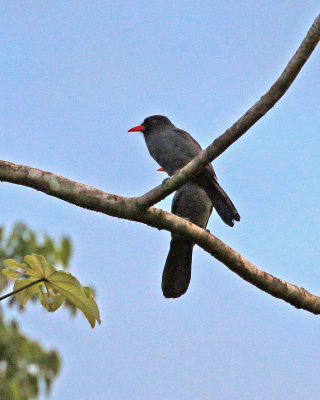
(191, 148)
(187, 143)
(176, 202)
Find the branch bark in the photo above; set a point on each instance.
(257, 111)
(117, 206)
(139, 210)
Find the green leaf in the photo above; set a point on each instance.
(11, 274)
(65, 250)
(12, 264)
(26, 269)
(25, 366)
(70, 287)
(25, 295)
(87, 291)
(39, 265)
(51, 301)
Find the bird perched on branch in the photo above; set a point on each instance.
(173, 148)
(192, 203)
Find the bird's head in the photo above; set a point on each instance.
(150, 123)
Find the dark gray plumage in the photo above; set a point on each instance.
(173, 148)
(190, 202)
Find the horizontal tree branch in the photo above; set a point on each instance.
(117, 206)
(257, 111)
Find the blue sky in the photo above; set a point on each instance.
(75, 76)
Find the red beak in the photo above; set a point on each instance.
(138, 128)
(161, 169)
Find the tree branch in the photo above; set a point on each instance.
(133, 208)
(122, 207)
(257, 111)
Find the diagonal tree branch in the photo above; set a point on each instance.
(257, 111)
(94, 199)
(20, 289)
(134, 209)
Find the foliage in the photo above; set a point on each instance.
(35, 274)
(26, 368)
(23, 240)
(24, 365)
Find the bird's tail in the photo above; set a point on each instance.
(177, 270)
(223, 205)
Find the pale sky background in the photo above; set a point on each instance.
(75, 76)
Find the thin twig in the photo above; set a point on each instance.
(20, 289)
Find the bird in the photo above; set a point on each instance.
(172, 148)
(192, 203)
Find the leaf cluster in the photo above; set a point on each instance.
(35, 276)
(25, 367)
(22, 240)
